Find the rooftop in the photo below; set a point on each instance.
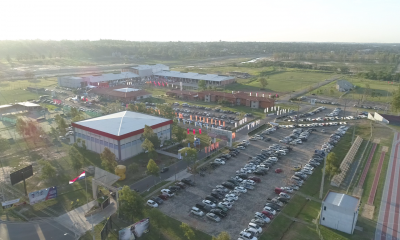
(342, 200)
(191, 75)
(28, 104)
(126, 90)
(110, 77)
(119, 124)
(5, 106)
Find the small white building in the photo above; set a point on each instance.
(340, 212)
(120, 132)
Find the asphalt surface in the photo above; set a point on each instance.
(34, 231)
(387, 227)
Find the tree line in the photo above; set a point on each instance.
(39, 49)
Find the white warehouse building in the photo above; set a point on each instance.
(120, 132)
(339, 211)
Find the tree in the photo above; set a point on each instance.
(202, 84)
(108, 160)
(187, 230)
(332, 165)
(167, 111)
(20, 126)
(396, 100)
(222, 236)
(53, 132)
(149, 134)
(133, 168)
(189, 155)
(61, 124)
(152, 168)
(179, 133)
(157, 218)
(76, 158)
(48, 171)
(4, 144)
(263, 82)
(131, 203)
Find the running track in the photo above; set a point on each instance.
(366, 168)
(372, 193)
(388, 221)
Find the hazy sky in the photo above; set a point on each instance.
(205, 20)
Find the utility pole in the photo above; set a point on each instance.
(323, 178)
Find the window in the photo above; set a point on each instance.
(97, 140)
(325, 208)
(101, 142)
(106, 143)
(122, 146)
(92, 139)
(129, 144)
(115, 146)
(110, 145)
(79, 135)
(323, 219)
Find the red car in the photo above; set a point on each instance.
(269, 215)
(163, 197)
(278, 170)
(255, 179)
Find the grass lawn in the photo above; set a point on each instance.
(282, 82)
(382, 88)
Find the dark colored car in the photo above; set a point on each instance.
(284, 200)
(180, 184)
(274, 206)
(157, 200)
(163, 197)
(259, 172)
(242, 176)
(214, 165)
(228, 185)
(219, 212)
(203, 207)
(212, 199)
(174, 188)
(188, 181)
(233, 182)
(255, 179)
(216, 195)
(164, 169)
(267, 139)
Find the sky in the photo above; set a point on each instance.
(206, 20)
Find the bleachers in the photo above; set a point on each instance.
(346, 163)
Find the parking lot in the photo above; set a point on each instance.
(254, 200)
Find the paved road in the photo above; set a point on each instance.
(41, 230)
(388, 220)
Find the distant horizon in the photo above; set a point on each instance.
(93, 40)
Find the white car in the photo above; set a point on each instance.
(197, 211)
(236, 178)
(167, 192)
(275, 159)
(248, 181)
(209, 203)
(287, 189)
(294, 187)
(255, 226)
(246, 236)
(235, 192)
(224, 189)
(308, 166)
(284, 195)
(262, 217)
(232, 196)
(270, 210)
(225, 204)
(263, 166)
(306, 171)
(151, 203)
(241, 148)
(241, 189)
(229, 200)
(219, 161)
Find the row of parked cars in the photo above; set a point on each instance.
(170, 192)
(298, 136)
(263, 135)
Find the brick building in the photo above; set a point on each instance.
(235, 98)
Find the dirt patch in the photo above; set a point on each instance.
(368, 211)
(376, 140)
(357, 192)
(385, 148)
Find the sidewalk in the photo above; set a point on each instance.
(76, 221)
(167, 154)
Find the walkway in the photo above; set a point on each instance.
(76, 221)
(372, 193)
(388, 221)
(167, 154)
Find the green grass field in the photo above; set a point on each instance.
(382, 89)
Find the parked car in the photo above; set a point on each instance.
(213, 217)
(157, 200)
(197, 211)
(151, 203)
(163, 197)
(209, 203)
(203, 207)
(164, 169)
(167, 192)
(219, 212)
(188, 181)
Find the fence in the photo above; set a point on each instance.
(345, 165)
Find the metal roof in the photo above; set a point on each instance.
(342, 200)
(5, 106)
(126, 90)
(28, 104)
(121, 123)
(190, 75)
(110, 77)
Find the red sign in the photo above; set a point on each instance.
(200, 130)
(194, 131)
